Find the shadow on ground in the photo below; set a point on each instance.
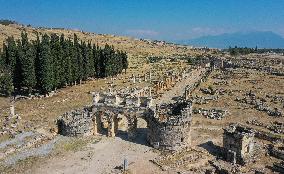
(140, 137)
(213, 149)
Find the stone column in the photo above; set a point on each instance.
(138, 102)
(94, 119)
(115, 120)
(145, 78)
(12, 110)
(117, 100)
(111, 131)
(96, 98)
(150, 102)
(133, 80)
(132, 127)
(95, 125)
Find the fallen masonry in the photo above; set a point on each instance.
(260, 104)
(214, 113)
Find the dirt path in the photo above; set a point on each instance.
(178, 89)
(103, 157)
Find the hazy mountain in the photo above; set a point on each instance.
(265, 39)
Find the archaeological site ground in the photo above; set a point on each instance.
(176, 109)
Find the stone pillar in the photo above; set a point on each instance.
(99, 122)
(133, 79)
(132, 127)
(150, 91)
(95, 125)
(110, 90)
(117, 100)
(115, 120)
(150, 102)
(150, 76)
(94, 119)
(145, 78)
(138, 102)
(12, 110)
(96, 98)
(111, 131)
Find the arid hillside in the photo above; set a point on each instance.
(131, 45)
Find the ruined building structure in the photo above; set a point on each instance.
(76, 123)
(106, 112)
(114, 111)
(169, 126)
(238, 144)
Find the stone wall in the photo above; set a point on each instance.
(75, 123)
(170, 129)
(238, 144)
(277, 152)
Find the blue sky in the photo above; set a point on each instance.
(155, 19)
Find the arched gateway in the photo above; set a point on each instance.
(168, 125)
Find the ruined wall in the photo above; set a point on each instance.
(238, 144)
(168, 130)
(277, 152)
(75, 123)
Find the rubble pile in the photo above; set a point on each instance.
(216, 114)
(277, 127)
(203, 99)
(260, 104)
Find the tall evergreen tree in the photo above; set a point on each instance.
(45, 60)
(79, 59)
(52, 62)
(28, 66)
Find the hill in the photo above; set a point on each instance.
(133, 46)
(265, 39)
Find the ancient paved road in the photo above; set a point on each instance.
(178, 89)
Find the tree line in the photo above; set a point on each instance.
(52, 62)
(245, 50)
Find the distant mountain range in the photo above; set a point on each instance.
(266, 39)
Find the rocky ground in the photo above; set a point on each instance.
(29, 143)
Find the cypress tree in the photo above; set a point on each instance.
(79, 59)
(53, 62)
(28, 66)
(124, 61)
(56, 54)
(6, 82)
(36, 45)
(86, 61)
(67, 47)
(45, 61)
(74, 63)
(91, 60)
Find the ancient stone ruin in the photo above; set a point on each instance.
(238, 144)
(76, 123)
(104, 116)
(169, 126)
